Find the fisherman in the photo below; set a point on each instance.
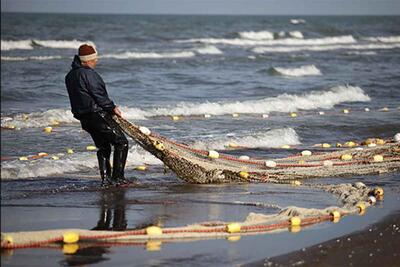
(91, 105)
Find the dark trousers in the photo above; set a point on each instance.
(106, 132)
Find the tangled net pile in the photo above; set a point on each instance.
(198, 166)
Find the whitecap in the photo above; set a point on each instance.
(59, 44)
(296, 34)
(261, 35)
(348, 39)
(70, 163)
(288, 49)
(49, 117)
(281, 103)
(297, 21)
(209, 50)
(387, 39)
(39, 58)
(11, 45)
(361, 53)
(269, 139)
(307, 70)
(150, 55)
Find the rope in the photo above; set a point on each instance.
(141, 234)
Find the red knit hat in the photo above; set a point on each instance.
(87, 52)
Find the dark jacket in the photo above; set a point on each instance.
(87, 90)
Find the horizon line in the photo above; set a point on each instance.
(193, 14)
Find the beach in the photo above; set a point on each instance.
(256, 86)
(174, 205)
(375, 245)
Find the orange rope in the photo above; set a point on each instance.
(219, 229)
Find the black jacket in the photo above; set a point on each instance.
(87, 90)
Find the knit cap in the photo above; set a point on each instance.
(87, 52)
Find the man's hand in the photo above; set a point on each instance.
(117, 112)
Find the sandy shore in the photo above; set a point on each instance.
(376, 245)
(51, 204)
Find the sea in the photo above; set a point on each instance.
(225, 79)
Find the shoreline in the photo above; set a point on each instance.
(375, 245)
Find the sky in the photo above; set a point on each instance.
(240, 7)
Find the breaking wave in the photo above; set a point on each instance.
(288, 49)
(261, 35)
(282, 103)
(209, 50)
(308, 70)
(212, 50)
(296, 34)
(348, 39)
(76, 162)
(59, 44)
(141, 55)
(272, 138)
(267, 35)
(52, 116)
(30, 58)
(82, 161)
(388, 39)
(362, 53)
(30, 44)
(297, 21)
(11, 45)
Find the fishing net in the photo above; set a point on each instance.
(201, 166)
(196, 166)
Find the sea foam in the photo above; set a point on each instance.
(208, 50)
(348, 39)
(76, 162)
(261, 35)
(296, 34)
(297, 21)
(307, 70)
(288, 49)
(40, 58)
(82, 161)
(30, 44)
(63, 116)
(11, 45)
(150, 55)
(59, 44)
(388, 39)
(282, 103)
(272, 138)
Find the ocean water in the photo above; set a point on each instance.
(159, 66)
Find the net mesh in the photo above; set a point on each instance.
(195, 165)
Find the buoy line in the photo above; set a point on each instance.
(290, 218)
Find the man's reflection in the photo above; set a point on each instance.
(112, 208)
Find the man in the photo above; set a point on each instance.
(91, 105)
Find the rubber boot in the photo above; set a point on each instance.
(119, 161)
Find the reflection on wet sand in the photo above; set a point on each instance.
(112, 207)
(112, 218)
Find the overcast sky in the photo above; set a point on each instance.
(259, 7)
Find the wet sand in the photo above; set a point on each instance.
(376, 245)
(50, 204)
